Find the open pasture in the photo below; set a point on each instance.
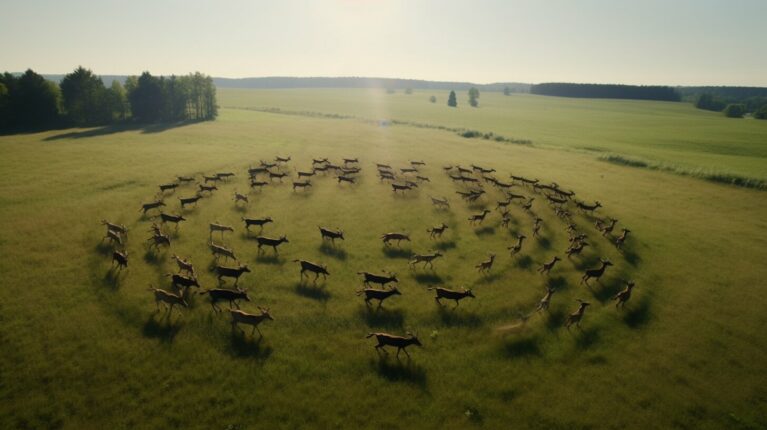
(84, 347)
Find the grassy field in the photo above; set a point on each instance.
(85, 349)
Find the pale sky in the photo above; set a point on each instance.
(684, 42)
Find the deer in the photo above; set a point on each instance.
(155, 229)
(278, 175)
(622, 238)
(417, 163)
(426, 259)
(181, 281)
(406, 170)
(576, 248)
(546, 267)
(113, 236)
(279, 159)
(254, 171)
(386, 175)
(447, 294)
(207, 188)
(327, 233)
(350, 170)
(213, 179)
(175, 219)
(221, 294)
(478, 218)
(468, 179)
(343, 178)
(350, 161)
(256, 221)
(537, 227)
(502, 185)
(512, 196)
(595, 273)
(398, 187)
(158, 240)
(267, 165)
(422, 178)
(189, 200)
(490, 179)
(146, 207)
(167, 298)
(274, 243)
(383, 166)
(529, 205)
(317, 269)
(185, 179)
(240, 198)
(606, 228)
(241, 317)
(120, 258)
(622, 297)
(399, 237)
(184, 265)
(577, 316)
(378, 279)
(218, 251)
(514, 249)
(556, 200)
(302, 174)
(485, 266)
(224, 175)
(400, 342)
(165, 187)
(505, 219)
(317, 161)
(440, 203)
(481, 169)
(543, 305)
(231, 272)
(380, 295)
(123, 230)
(301, 184)
(215, 226)
(588, 208)
(258, 184)
(503, 204)
(462, 170)
(437, 230)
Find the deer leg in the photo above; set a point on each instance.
(437, 300)
(456, 304)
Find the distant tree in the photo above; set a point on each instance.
(473, 97)
(146, 99)
(451, 100)
(506, 91)
(709, 102)
(761, 113)
(735, 110)
(117, 100)
(34, 101)
(85, 99)
(433, 99)
(408, 91)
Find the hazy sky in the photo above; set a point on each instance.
(640, 42)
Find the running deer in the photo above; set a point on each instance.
(302, 184)
(231, 272)
(478, 218)
(184, 264)
(120, 258)
(383, 166)
(537, 227)
(350, 170)
(546, 267)
(123, 230)
(399, 342)
(399, 237)
(343, 178)
(462, 170)
(505, 219)
(543, 305)
(403, 188)
(258, 184)
(146, 207)
(175, 219)
(167, 298)
(595, 273)
(317, 269)
(185, 179)
(207, 188)
(556, 200)
(256, 221)
(622, 238)
(440, 203)
(503, 204)
(514, 249)
(254, 171)
(225, 295)
(224, 175)
(408, 170)
(378, 279)
(486, 265)
(113, 236)
(380, 295)
(606, 228)
(165, 187)
(327, 233)
(576, 248)
(437, 230)
(481, 169)
(159, 239)
(512, 196)
(215, 226)
(587, 207)
(386, 175)
(189, 200)
(267, 164)
(423, 178)
(240, 198)
(241, 317)
(444, 293)
(279, 159)
(182, 282)
(219, 251)
(426, 259)
(274, 243)
(350, 160)
(319, 161)
(624, 296)
(577, 316)
(278, 175)
(302, 174)
(417, 163)
(529, 205)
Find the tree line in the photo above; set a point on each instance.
(734, 104)
(30, 102)
(607, 91)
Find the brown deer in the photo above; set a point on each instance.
(587, 207)
(207, 188)
(577, 316)
(175, 219)
(184, 265)
(255, 171)
(120, 258)
(405, 170)
(512, 196)
(606, 228)
(378, 279)
(595, 273)
(317, 269)
(267, 164)
(182, 282)
(123, 230)
(417, 163)
(486, 265)
(222, 294)
(240, 198)
(622, 238)
(514, 249)
(278, 175)
(213, 179)
(529, 205)
(258, 184)
(463, 170)
(165, 187)
(347, 179)
(399, 187)
(505, 219)
(543, 305)
(185, 179)
(274, 243)
(215, 226)
(279, 159)
(444, 293)
(423, 178)
(386, 175)
(319, 161)
(218, 251)
(576, 248)
(440, 203)
(537, 227)
(305, 174)
(146, 207)
(327, 233)
(426, 259)
(231, 272)
(167, 298)
(437, 230)
(380, 295)
(256, 221)
(159, 240)
(350, 160)
(622, 297)
(302, 184)
(399, 237)
(478, 218)
(546, 267)
(399, 342)
(503, 204)
(241, 317)
(113, 236)
(189, 200)
(224, 175)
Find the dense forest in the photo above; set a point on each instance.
(31, 102)
(732, 101)
(606, 91)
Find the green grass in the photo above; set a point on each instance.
(82, 349)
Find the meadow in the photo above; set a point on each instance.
(84, 348)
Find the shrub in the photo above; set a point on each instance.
(735, 110)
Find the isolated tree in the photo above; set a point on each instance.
(473, 97)
(433, 99)
(85, 99)
(451, 100)
(735, 110)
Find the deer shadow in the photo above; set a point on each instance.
(312, 291)
(608, 289)
(444, 246)
(452, 316)
(119, 128)
(391, 252)
(485, 230)
(524, 262)
(399, 370)
(163, 329)
(555, 319)
(632, 257)
(382, 317)
(241, 208)
(152, 257)
(332, 251)
(246, 346)
(427, 278)
(557, 283)
(638, 314)
(585, 339)
(545, 243)
(269, 258)
(489, 277)
(522, 346)
(112, 278)
(104, 248)
(589, 261)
